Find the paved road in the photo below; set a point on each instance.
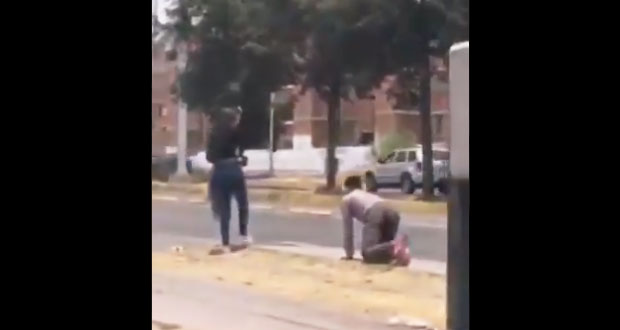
(270, 227)
(395, 193)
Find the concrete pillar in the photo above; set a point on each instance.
(458, 203)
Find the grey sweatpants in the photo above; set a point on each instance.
(378, 233)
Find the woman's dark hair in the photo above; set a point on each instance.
(226, 116)
(353, 182)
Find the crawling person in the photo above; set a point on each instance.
(379, 242)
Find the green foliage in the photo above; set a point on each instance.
(332, 46)
(395, 141)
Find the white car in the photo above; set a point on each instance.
(403, 168)
(200, 165)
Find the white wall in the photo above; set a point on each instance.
(309, 160)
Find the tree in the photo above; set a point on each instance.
(339, 48)
(341, 57)
(412, 52)
(354, 44)
(234, 63)
(422, 29)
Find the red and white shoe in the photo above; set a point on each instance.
(402, 255)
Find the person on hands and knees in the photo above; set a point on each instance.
(380, 221)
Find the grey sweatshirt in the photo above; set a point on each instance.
(355, 205)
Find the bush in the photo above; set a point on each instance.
(396, 141)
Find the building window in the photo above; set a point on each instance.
(367, 138)
(438, 124)
(163, 111)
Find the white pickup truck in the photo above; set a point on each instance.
(403, 168)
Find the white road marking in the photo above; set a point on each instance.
(309, 211)
(441, 224)
(261, 207)
(166, 198)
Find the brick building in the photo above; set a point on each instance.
(164, 111)
(363, 122)
(369, 120)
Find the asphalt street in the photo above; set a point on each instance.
(190, 220)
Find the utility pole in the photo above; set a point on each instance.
(181, 173)
(172, 8)
(272, 97)
(458, 202)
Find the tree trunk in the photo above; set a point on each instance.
(427, 138)
(333, 130)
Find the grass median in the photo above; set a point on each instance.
(347, 286)
(300, 198)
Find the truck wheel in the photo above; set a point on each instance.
(442, 186)
(407, 186)
(371, 182)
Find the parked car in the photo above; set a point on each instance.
(403, 168)
(162, 167)
(200, 166)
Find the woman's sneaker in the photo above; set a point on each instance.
(219, 250)
(246, 240)
(402, 255)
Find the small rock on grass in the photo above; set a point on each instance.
(411, 323)
(178, 249)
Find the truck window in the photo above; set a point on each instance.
(441, 155)
(389, 158)
(412, 156)
(401, 156)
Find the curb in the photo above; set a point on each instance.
(298, 201)
(417, 265)
(431, 267)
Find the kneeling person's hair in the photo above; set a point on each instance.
(353, 182)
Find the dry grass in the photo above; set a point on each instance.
(350, 286)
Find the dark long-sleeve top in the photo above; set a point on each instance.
(224, 143)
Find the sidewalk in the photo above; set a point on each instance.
(371, 292)
(416, 265)
(190, 304)
(432, 267)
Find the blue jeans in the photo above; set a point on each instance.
(227, 181)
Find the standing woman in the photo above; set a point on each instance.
(225, 153)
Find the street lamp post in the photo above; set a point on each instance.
(458, 203)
